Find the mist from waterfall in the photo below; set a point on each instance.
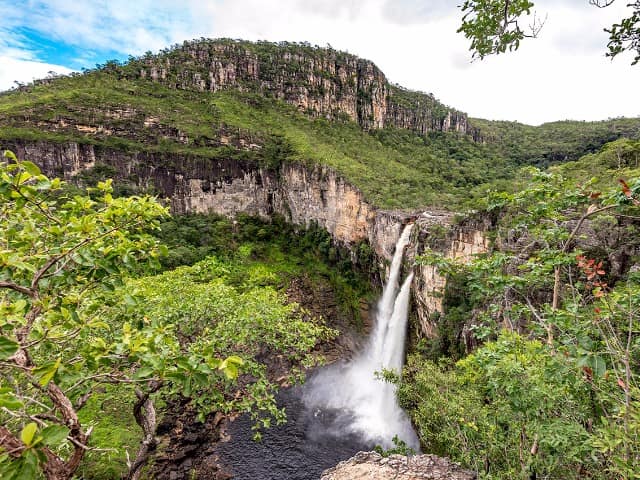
(351, 393)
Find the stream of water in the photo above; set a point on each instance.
(342, 409)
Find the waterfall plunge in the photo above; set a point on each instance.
(361, 403)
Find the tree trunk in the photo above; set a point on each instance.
(145, 415)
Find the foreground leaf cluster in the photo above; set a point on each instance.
(74, 321)
(551, 389)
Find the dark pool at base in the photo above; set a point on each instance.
(301, 449)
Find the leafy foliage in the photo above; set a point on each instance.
(493, 25)
(204, 315)
(281, 251)
(548, 281)
(58, 254)
(70, 323)
(510, 409)
(625, 35)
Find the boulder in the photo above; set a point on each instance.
(373, 466)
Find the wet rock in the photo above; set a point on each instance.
(186, 448)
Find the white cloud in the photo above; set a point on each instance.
(562, 74)
(24, 71)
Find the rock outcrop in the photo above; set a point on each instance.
(437, 231)
(302, 195)
(319, 81)
(373, 466)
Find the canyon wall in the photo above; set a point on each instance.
(302, 195)
(319, 81)
(461, 241)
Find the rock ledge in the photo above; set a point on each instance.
(373, 466)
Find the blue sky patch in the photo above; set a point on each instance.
(56, 52)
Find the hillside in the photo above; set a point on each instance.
(285, 181)
(264, 104)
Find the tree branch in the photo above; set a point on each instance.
(18, 288)
(601, 3)
(148, 422)
(53, 260)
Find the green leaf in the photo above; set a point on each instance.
(28, 467)
(30, 167)
(10, 155)
(231, 371)
(187, 387)
(54, 435)
(598, 365)
(46, 372)
(143, 372)
(10, 402)
(230, 366)
(28, 432)
(130, 300)
(7, 348)
(235, 360)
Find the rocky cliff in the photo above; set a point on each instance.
(302, 195)
(463, 240)
(372, 466)
(319, 81)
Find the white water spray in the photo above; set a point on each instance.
(366, 405)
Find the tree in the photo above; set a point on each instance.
(56, 253)
(495, 26)
(71, 322)
(547, 279)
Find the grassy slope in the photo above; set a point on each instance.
(408, 174)
(394, 168)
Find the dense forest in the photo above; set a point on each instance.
(115, 312)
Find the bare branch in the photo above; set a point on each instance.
(601, 3)
(18, 288)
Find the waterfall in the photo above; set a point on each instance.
(362, 403)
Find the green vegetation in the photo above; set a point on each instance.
(92, 312)
(555, 142)
(615, 160)
(491, 408)
(74, 321)
(277, 249)
(553, 393)
(495, 26)
(113, 108)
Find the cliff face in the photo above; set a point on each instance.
(196, 185)
(319, 81)
(302, 195)
(461, 241)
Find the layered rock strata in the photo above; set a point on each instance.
(320, 81)
(302, 195)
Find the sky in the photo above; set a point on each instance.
(562, 74)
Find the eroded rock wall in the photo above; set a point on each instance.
(320, 81)
(302, 195)
(462, 241)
